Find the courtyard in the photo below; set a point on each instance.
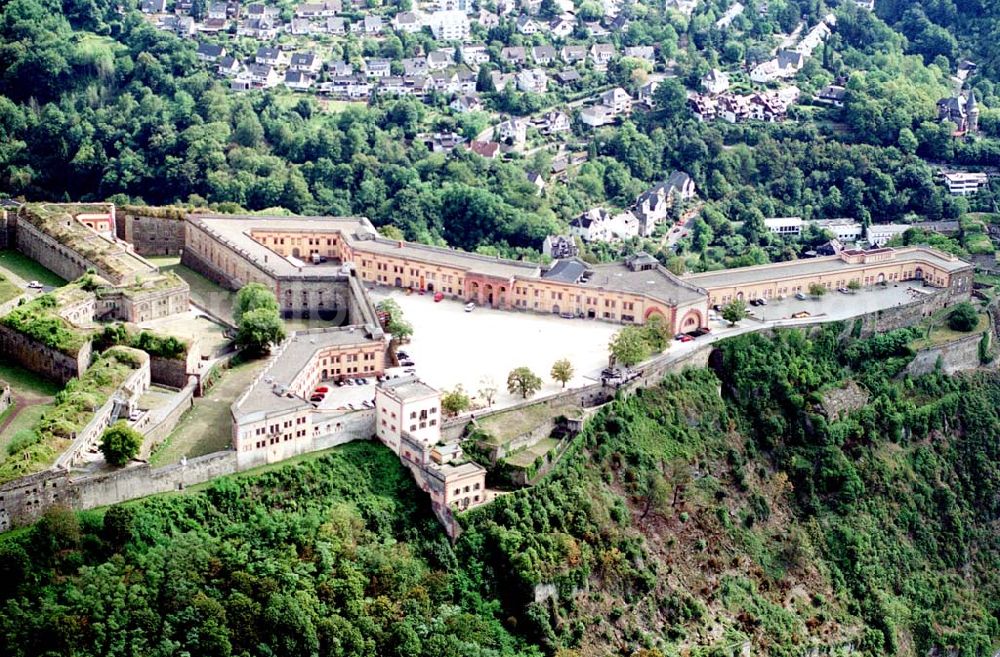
(452, 347)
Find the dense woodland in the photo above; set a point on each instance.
(680, 518)
(97, 104)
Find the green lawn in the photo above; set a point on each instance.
(207, 427)
(8, 290)
(28, 269)
(26, 417)
(527, 456)
(26, 382)
(940, 334)
(508, 425)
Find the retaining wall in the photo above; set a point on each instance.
(157, 425)
(150, 235)
(955, 356)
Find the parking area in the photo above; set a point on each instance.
(451, 347)
(836, 305)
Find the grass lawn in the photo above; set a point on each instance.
(25, 382)
(527, 456)
(941, 334)
(207, 427)
(508, 425)
(28, 269)
(26, 418)
(8, 290)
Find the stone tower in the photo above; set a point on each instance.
(972, 113)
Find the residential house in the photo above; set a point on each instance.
(438, 60)
(537, 180)
(153, 6)
(213, 25)
(407, 22)
(183, 7)
(647, 94)
(210, 52)
(831, 95)
(262, 29)
(568, 76)
(532, 81)
(786, 65)
(964, 183)
(705, 108)
(526, 25)
(573, 54)
(305, 62)
(270, 56)
(442, 142)
(449, 25)
(961, 110)
(378, 68)
(513, 55)
(733, 108)
(554, 122)
(601, 55)
(644, 53)
(301, 26)
(561, 28)
(487, 149)
(259, 10)
(487, 19)
(466, 81)
(617, 100)
(229, 66)
(241, 81)
(784, 226)
(501, 80)
(505, 7)
(715, 82)
(729, 16)
(474, 55)
(596, 116)
(318, 9)
(543, 55)
(349, 87)
(340, 69)
(599, 225)
(513, 132)
(844, 230)
(466, 103)
(182, 26)
(415, 66)
(559, 247)
(336, 26)
(685, 7)
(218, 11)
(263, 76)
(298, 80)
(372, 25)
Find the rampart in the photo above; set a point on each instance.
(151, 231)
(41, 359)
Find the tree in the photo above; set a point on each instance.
(488, 389)
(656, 334)
(629, 347)
(252, 297)
(455, 401)
(963, 318)
(734, 311)
(522, 380)
(816, 289)
(120, 443)
(670, 97)
(562, 371)
(854, 285)
(258, 329)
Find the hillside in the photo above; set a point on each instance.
(760, 506)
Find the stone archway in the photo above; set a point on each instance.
(881, 279)
(488, 292)
(295, 252)
(918, 274)
(555, 309)
(399, 282)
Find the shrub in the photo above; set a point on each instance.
(963, 318)
(120, 443)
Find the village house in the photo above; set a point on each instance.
(964, 183)
(336, 26)
(475, 55)
(596, 116)
(449, 25)
(407, 22)
(229, 66)
(599, 225)
(617, 100)
(210, 52)
(554, 122)
(466, 103)
(438, 60)
(514, 55)
(731, 14)
(378, 68)
(513, 132)
(643, 53)
(526, 25)
(318, 9)
(543, 55)
(831, 95)
(568, 76)
(532, 81)
(487, 149)
(647, 94)
(573, 54)
(559, 247)
(536, 179)
(305, 62)
(298, 80)
(715, 82)
(269, 56)
(601, 55)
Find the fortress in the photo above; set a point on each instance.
(322, 267)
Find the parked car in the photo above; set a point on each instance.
(756, 302)
(407, 363)
(317, 398)
(322, 389)
(438, 296)
(678, 336)
(402, 355)
(800, 315)
(844, 290)
(685, 338)
(801, 296)
(35, 285)
(134, 415)
(469, 307)
(762, 301)
(698, 332)
(349, 382)
(360, 381)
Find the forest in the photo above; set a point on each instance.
(732, 506)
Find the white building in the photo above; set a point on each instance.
(449, 25)
(784, 225)
(844, 230)
(715, 82)
(407, 405)
(513, 131)
(532, 80)
(617, 100)
(599, 225)
(879, 234)
(964, 183)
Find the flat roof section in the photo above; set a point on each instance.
(816, 266)
(437, 255)
(408, 389)
(287, 363)
(656, 282)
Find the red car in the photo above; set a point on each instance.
(438, 296)
(322, 389)
(685, 338)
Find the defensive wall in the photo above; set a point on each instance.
(158, 423)
(151, 231)
(41, 359)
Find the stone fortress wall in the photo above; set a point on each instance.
(151, 231)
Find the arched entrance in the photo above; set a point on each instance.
(654, 312)
(918, 274)
(691, 321)
(881, 279)
(430, 287)
(295, 252)
(399, 282)
(488, 290)
(555, 309)
(474, 291)
(739, 296)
